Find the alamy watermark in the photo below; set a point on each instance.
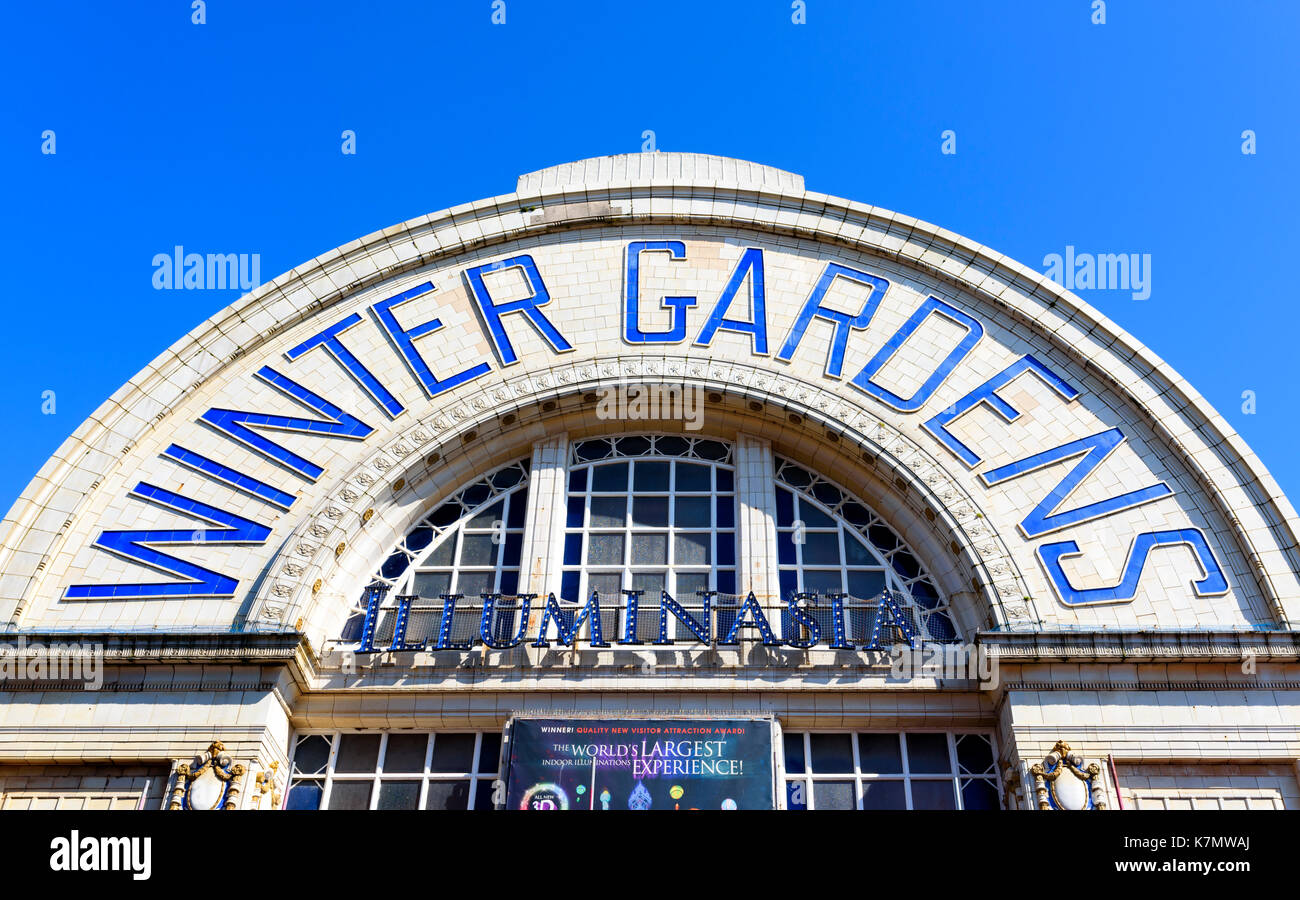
(634, 402)
(181, 271)
(1100, 271)
(23, 661)
(955, 662)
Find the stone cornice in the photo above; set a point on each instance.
(135, 648)
(1164, 645)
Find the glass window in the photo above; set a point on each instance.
(419, 770)
(887, 770)
(829, 542)
(399, 794)
(928, 753)
(677, 533)
(880, 753)
(470, 545)
(884, 795)
(357, 753)
(305, 795)
(405, 753)
(832, 752)
(452, 753)
(350, 794)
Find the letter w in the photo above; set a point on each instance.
(336, 423)
(1094, 450)
(133, 545)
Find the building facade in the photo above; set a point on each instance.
(659, 438)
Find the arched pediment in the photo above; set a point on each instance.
(1049, 466)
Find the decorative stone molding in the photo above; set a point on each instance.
(209, 781)
(1062, 782)
(265, 784)
(1163, 644)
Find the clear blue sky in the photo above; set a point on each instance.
(225, 137)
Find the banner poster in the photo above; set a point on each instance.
(604, 764)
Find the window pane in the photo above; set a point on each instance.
(471, 584)
(726, 548)
(443, 554)
(979, 794)
(726, 581)
(693, 477)
(518, 508)
(784, 508)
(650, 476)
(485, 517)
(605, 550)
(431, 585)
(357, 753)
(928, 753)
(399, 794)
(726, 481)
(691, 549)
(514, 548)
(866, 585)
(305, 795)
(578, 480)
(834, 795)
(405, 753)
(312, 754)
(821, 548)
(447, 795)
(794, 754)
(974, 753)
(880, 754)
(510, 581)
(651, 511)
(650, 549)
(489, 754)
(610, 477)
(789, 583)
(831, 753)
(483, 794)
(573, 549)
(883, 795)
(692, 512)
(687, 584)
(419, 538)
(576, 508)
(452, 753)
(905, 564)
(608, 512)
(796, 794)
(785, 550)
(350, 794)
(727, 512)
(477, 550)
(856, 552)
(652, 583)
(569, 586)
(823, 581)
(813, 517)
(610, 586)
(933, 795)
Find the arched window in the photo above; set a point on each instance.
(653, 513)
(649, 513)
(828, 541)
(469, 544)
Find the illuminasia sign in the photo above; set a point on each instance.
(639, 764)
